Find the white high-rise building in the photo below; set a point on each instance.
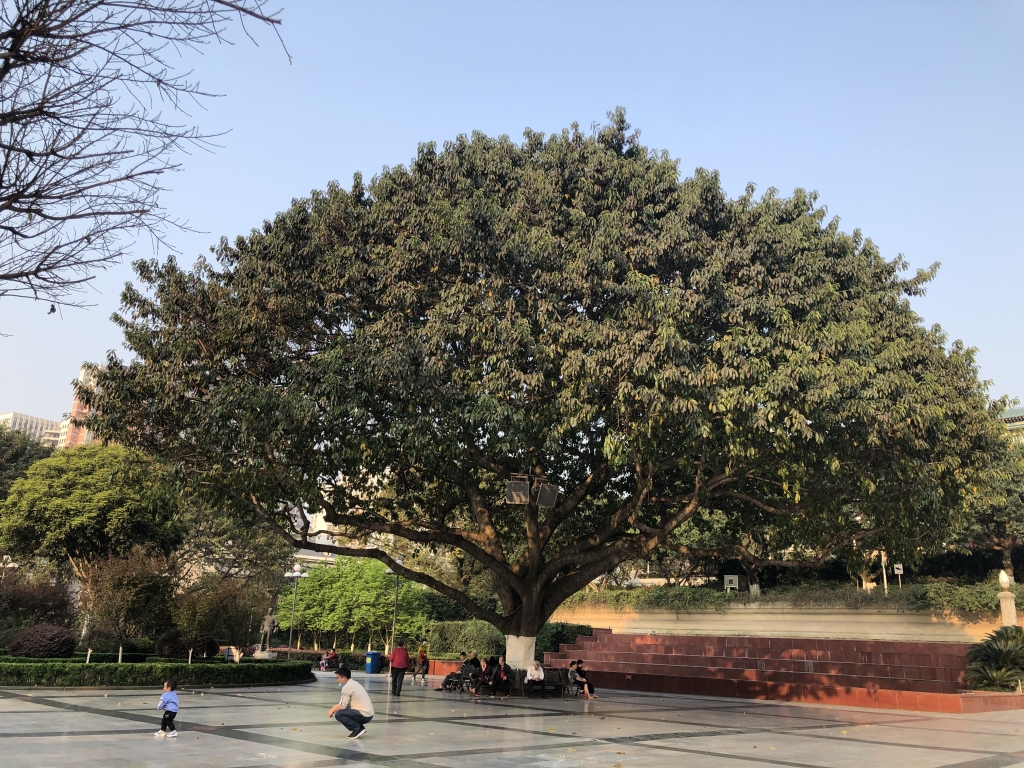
(46, 431)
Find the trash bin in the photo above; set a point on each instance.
(372, 662)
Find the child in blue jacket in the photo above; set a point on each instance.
(169, 704)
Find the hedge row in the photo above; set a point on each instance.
(70, 674)
(966, 600)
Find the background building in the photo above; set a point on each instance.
(46, 431)
(1013, 418)
(69, 435)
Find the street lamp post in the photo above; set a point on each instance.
(295, 573)
(394, 616)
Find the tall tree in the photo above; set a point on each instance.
(997, 519)
(388, 357)
(83, 505)
(87, 91)
(18, 452)
(353, 598)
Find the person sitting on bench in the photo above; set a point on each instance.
(535, 677)
(453, 680)
(578, 676)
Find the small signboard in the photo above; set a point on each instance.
(732, 583)
(897, 568)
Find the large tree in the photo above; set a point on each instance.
(84, 505)
(389, 356)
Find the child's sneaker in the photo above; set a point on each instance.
(172, 734)
(159, 735)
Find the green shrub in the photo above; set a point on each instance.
(449, 638)
(997, 662)
(472, 635)
(171, 644)
(679, 599)
(70, 674)
(964, 600)
(45, 641)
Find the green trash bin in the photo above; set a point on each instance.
(372, 662)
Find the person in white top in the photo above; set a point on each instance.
(535, 676)
(354, 710)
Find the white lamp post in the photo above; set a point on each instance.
(295, 573)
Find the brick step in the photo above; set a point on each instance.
(775, 678)
(903, 668)
(924, 701)
(618, 652)
(925, 649)
(852, 646)
(909, 672)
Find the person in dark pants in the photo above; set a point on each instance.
(354, 710)
(535, 677)
(453, 679)
(399, 666)
(169, 704)
(501, 678)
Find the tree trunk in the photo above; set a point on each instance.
(519, 651)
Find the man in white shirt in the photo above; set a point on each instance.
(354, 710)
(535, 676)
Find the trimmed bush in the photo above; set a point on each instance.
(71, 674)
(449, 638)
(44, 641)
(473, 635)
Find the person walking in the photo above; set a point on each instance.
(422, 665)
(354, 710)
(399, 666)
(169, 704)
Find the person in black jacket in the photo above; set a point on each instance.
(480, 678)
(501, 678)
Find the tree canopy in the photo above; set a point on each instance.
(353, 599)
(389, 356)
(18, 452)
(83, 504)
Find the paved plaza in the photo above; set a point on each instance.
(288, 726)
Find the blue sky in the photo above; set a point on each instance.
(906, 117)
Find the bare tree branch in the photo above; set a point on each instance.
(84, 142)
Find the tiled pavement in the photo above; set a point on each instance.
(288, 726)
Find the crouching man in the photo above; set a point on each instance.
(354, 710)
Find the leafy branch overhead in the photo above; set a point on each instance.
(387, 356)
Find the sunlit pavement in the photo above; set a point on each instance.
(287, 726)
